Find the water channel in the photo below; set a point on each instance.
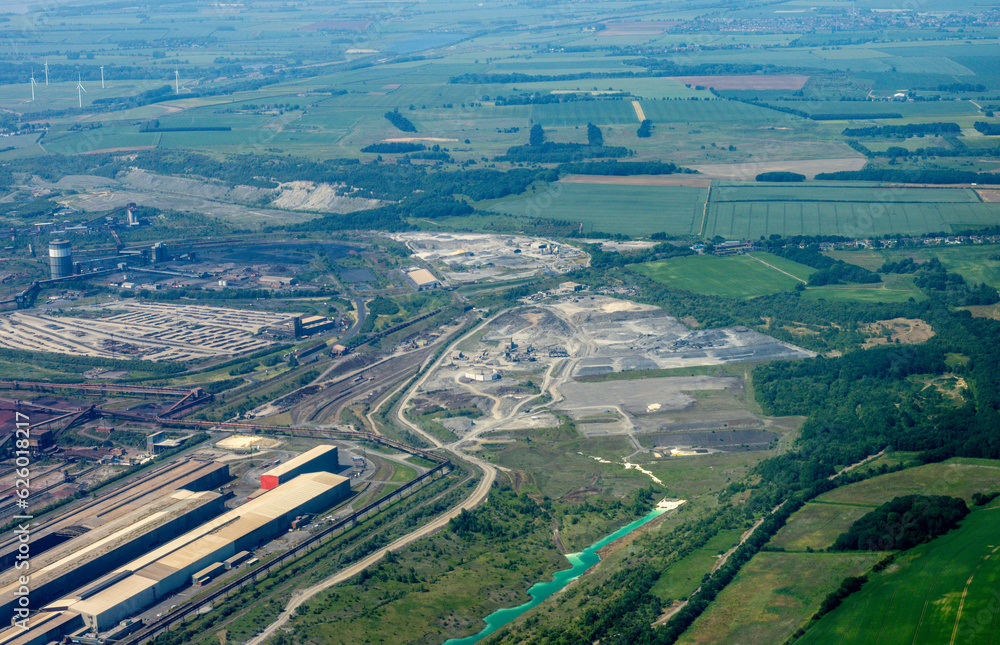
(541, 590)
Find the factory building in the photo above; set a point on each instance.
(423, 279)
(319, 459)
(146, 580)
(89, 556)
(192, 475)
(60, 259)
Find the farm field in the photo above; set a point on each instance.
(633, 210)
(861, 109)
(751, 219)
(956, 478)
(865, 293)
(940, 592)
(838, 192)
(740, 276)
(773, 595)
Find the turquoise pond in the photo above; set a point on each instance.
(541, 590)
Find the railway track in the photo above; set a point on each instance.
(179, 615)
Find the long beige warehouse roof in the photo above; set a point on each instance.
(296, 462)
(168, 566)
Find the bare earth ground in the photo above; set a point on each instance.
(639, 114)
(909, 331)
(989, 195)
(696, 181)
(762, 82)
(807, 167)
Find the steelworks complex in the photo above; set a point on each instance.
(106, 560)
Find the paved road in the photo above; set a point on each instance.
(477, 497)
(304, 595)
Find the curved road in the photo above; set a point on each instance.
(477, 497)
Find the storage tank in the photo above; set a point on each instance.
(60, 258)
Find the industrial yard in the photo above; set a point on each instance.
(554, 355)
(100, 565)
(143, 330)
(471, 257)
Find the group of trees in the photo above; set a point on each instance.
(912, 176)
(908, 130)
(780, 176)
(401, 122)
(933, 277)
(989, 129)
(622, 168)
(830, 271)
(903, 523)
(394, 147)
(539, 150)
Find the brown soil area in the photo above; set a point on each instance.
(694, 181)
(907, 331)
(761, 82)
(989, 195)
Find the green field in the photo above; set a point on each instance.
(859, 109)
(748, 211)
(834, 192)
(940, 592)
(893, 288)
(633, 210)
(772, 595)
(955, 478)
(816, 526)
(974, 262)
(739, 276)
(751, 219)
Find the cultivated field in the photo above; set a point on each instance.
(773, 595)
(713, 275)
(634, 210)
(755, 82)
(940, 592)
(955, 478)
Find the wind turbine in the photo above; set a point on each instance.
(79, 89)
(177, 82)
(32, 85)
(46, 71)
(102, 77)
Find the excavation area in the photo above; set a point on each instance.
(475, 257)
(580, 357)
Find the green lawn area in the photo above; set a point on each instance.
(940, 592)
(740, 276)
